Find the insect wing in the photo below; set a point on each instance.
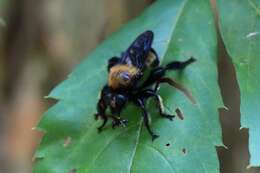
(135, 55)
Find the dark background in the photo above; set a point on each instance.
(40, 43)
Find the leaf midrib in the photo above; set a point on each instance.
(161, 58)
(135, 147)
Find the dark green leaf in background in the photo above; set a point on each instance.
(182, 29)
(240, 29)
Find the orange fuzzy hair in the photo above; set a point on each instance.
(115, 80)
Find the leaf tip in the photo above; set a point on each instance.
(36, 159)
(249, 166)
(243, 127)
(223, 145)
(67, 141)
(40, 129)
(46, 97)
(224, 107)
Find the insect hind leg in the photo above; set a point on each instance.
(176, 85)
(179, 65)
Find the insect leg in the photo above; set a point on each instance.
(177, 85)
(141, 104)
(158, 72)
(153, 77)
(158, 99)
(101, 109)
(179, 65)
(117, 121)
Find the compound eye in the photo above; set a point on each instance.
(125, 77)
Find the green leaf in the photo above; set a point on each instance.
(240, 29)
(182, 29)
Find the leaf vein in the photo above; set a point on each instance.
(253, 5)
(163, 156)
(135, 148)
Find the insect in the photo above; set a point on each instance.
(126, 82)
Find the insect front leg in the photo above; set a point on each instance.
(101, 113)
(118, 121)
(118, 103)
(145, 114)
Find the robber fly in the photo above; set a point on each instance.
(126, 82)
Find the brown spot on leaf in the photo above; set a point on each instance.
(184, 151)
(179, 114)
(72, 171)
(168, 144)
(67, 141)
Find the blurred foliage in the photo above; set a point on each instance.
(39, 45)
